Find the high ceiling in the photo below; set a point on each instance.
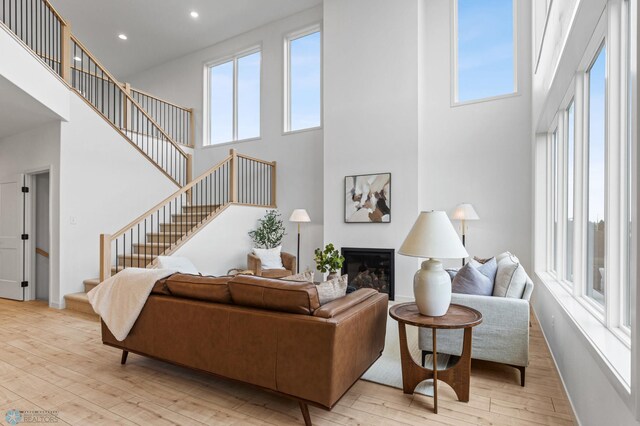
(162, 30)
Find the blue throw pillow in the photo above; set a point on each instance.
(489, 268)
(469, 280)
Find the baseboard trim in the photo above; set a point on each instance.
(564, 385)
(55, 305)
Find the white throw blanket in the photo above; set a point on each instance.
(120, 299)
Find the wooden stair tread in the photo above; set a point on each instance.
(90, 284)
(79, 302)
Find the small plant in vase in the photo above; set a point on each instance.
(329, 260)
(270, 231)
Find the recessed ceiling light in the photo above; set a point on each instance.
(77, 59)
(122, 36)
(194, 14)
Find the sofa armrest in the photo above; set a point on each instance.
(338, 306)
(289, 262)
(254, 264)
(501, 312)
(528, 289)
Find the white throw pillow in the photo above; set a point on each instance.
(270, 258)
(332, 289)
(511, 278)
(177, 263)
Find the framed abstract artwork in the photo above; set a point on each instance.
(367, 198)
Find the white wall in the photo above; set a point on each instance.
(105, 183)
(299, 155)
(231, 227)
(371, 119)
(36, 150)
(478, 153)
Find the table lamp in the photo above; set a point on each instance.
(299, 216)
(432, 237)
(464, 212)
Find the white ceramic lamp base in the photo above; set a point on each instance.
(432, 289)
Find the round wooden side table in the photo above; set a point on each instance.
(457, 376)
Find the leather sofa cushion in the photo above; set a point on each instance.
(342, 304)
(199, 287)
(276, 273)
(275, 295)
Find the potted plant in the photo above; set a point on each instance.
(270, 231)
(329, 260)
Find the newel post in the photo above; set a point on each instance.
(233, 189)
(105, 256)
(192, 128)
(189, 176)
(273, 185)
(126, 106)
(65, 52)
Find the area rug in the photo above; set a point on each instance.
(387, 370)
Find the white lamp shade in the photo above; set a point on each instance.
(465, 211)
(299, 215)
(433, 236)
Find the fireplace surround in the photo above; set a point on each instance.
(370, 268)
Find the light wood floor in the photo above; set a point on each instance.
(54, 360)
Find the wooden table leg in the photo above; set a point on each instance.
(435, 372)
(412, 373)
(458, 376)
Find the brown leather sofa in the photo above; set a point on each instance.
(266, 332)
(288, 261)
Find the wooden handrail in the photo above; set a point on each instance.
(41, 252)
(246, 157)
(171, 197)
(161, 100)
(128, 96)
(55, 12)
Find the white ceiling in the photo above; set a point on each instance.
(162, 30)
(19, 112)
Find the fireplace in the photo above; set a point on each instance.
(370, 268)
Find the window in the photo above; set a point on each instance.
(554, 200)
(303, 80)
(596, 148)
(234, 98)
(594, 162)
(484, 43)
(568, 226)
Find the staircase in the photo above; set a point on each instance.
(156, 129)
(236, 180)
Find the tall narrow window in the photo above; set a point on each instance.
(554, 200)
(570, 155)
(596, 148)
(630, 187)
(234, 99)
(484, 43)
(303, 81)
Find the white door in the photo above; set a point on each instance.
(11, 243)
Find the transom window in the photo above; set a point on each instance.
(303, 80)
(484, 49)
(234, 98)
